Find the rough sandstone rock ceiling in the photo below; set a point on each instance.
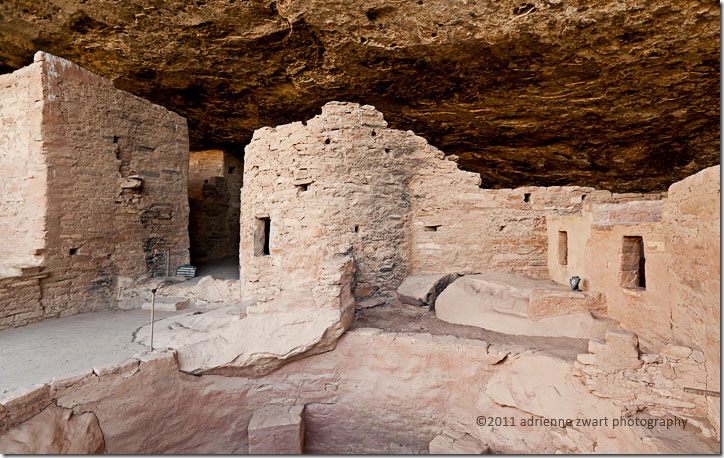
(620, 94)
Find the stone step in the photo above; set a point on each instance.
(520, 305)
(277, 430)
(422, 290)
(168, 303)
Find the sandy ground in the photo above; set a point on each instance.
(58, 347)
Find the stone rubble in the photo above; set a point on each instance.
(654, 383)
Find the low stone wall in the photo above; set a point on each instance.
(664, 383)
(20, 300)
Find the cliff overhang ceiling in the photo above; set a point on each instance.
(622, 95)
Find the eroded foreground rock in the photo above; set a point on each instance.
(378, 392)
(300, 322)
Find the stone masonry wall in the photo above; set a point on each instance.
(459, 227)
(596, 253)
(117, 169)
(691, 216)
(678, 304)
(331, 186)
(100, 143)
(344, 181)
(22, 171)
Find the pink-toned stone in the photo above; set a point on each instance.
(23, 403)
(500, 302)
(55, 431)
(93, 185)
(544, 303)
(277, 430)
(449, 443)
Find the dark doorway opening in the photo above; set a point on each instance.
(633, 263)
(215, 180)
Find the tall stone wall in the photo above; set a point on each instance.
(459, 227)
(344, 181)
(215, 179)
(691, 217)
(116, 204)
(331, 186)
(22, 171)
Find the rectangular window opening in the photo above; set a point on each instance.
(431, 228)
(261, 237)
(563, 248)
(633, 263)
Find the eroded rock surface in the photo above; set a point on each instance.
(296, 323)
(543, 92)
(354, 402)
(55, 431)
(510, 303)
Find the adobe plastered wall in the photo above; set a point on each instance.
(344, 181)
(116, 204)
(595, 253)
(679, 303)
(22, 170)
(215, 178)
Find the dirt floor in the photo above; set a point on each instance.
(40, 352)
(409, 318)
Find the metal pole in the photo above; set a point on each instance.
(153, 316)
(168, 263)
